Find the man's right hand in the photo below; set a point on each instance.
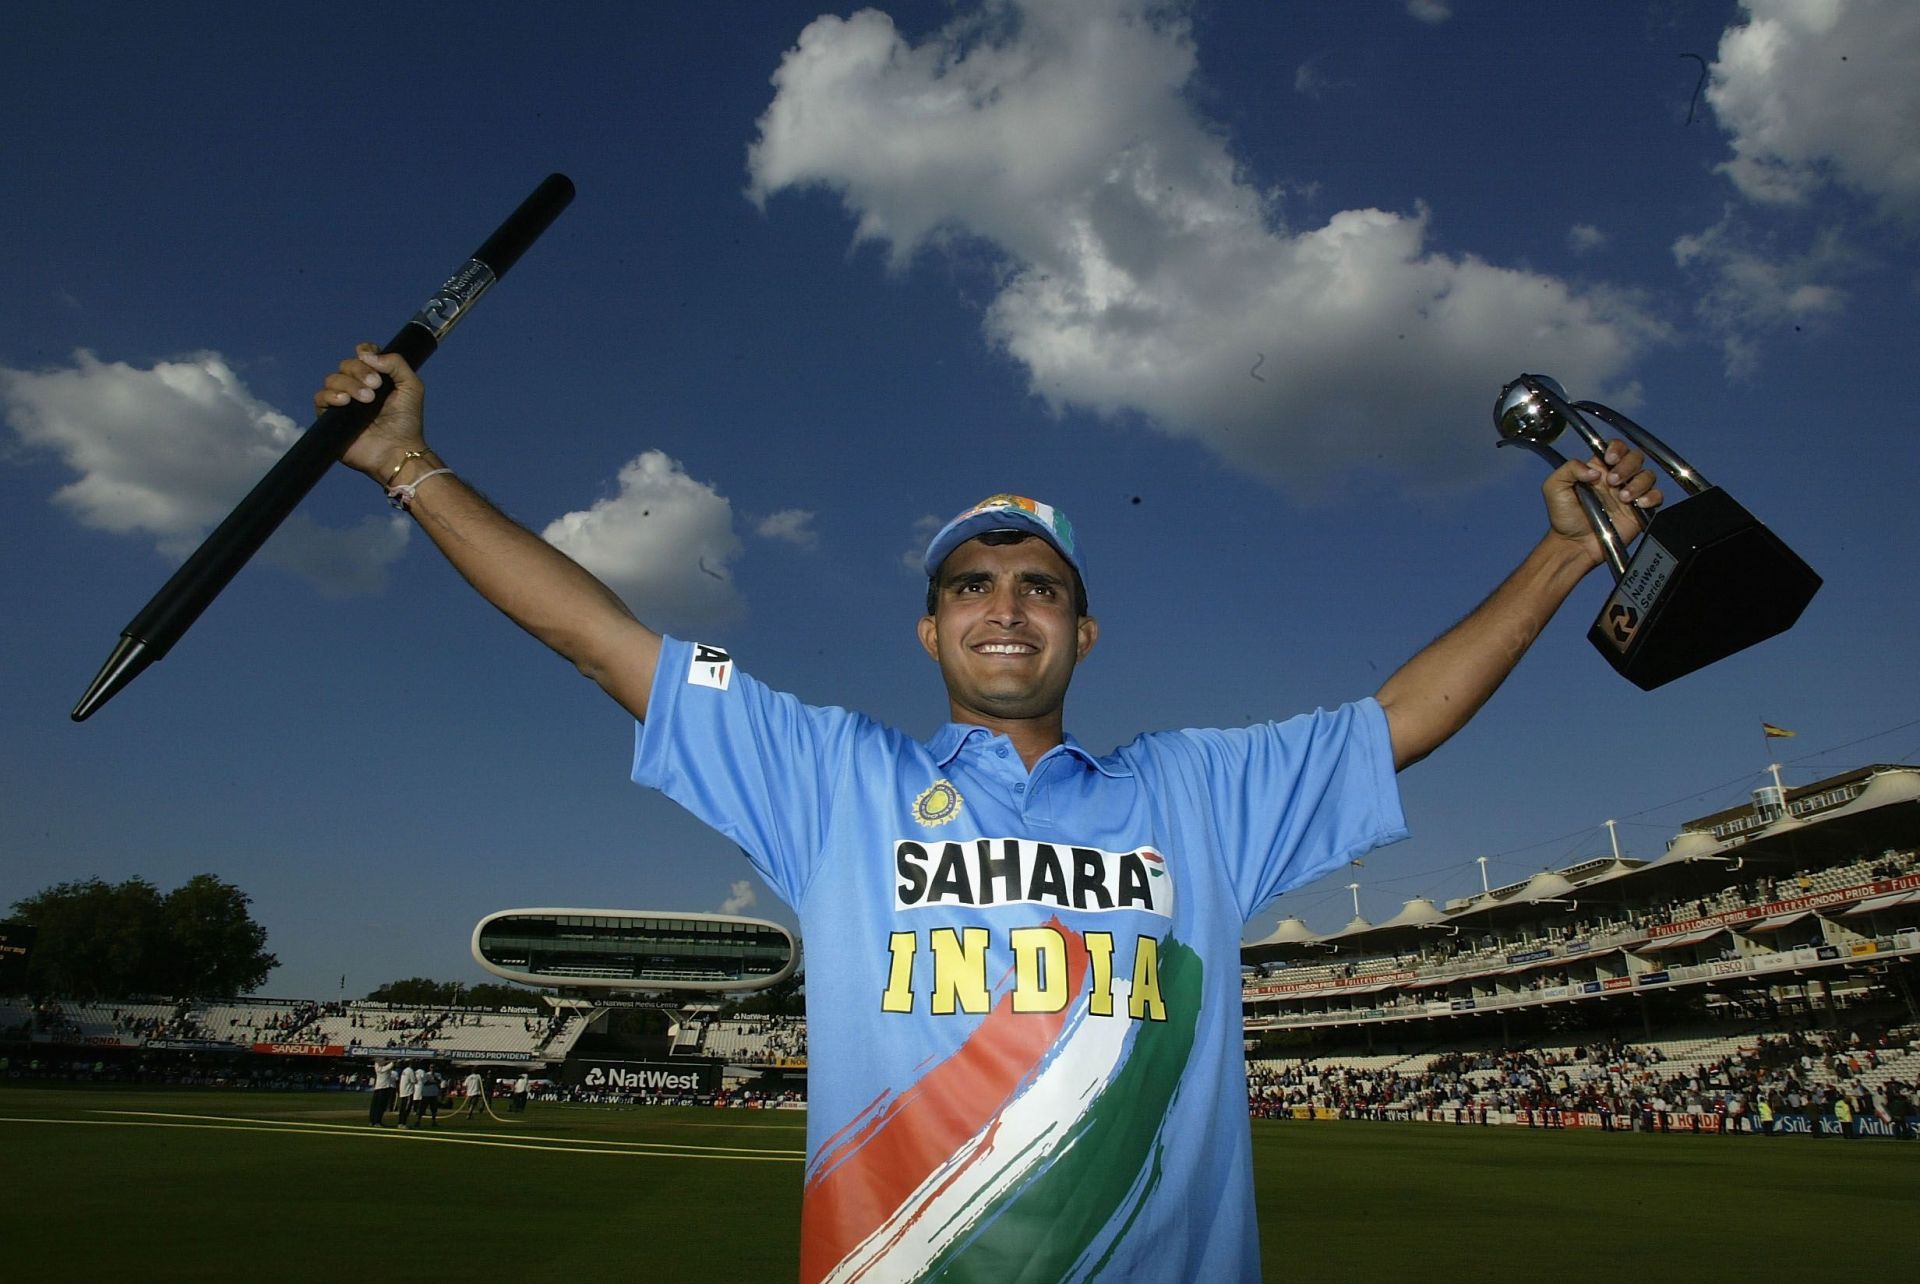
(398, 429)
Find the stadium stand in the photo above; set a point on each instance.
(1719, 1078)
(1795, 896)
(1756, 975)
(1762, 965)
(757, 1040)
(298, 1027)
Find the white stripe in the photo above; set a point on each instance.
(639, 1149)
(1008, 1151)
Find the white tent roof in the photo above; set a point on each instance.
(1691, 845)
(1885, 789)
(1355, 924)
(1544, 886)
(1417, 912)
(1290, 931)
(1613, 869)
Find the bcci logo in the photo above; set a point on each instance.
(937, 804)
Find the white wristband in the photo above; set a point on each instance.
(401, 497)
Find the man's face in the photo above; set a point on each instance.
(1004, 630)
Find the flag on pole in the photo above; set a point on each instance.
(1772, 732)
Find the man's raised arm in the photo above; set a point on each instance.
(1433, 695)
(537, 586)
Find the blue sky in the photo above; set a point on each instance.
(1234, 284)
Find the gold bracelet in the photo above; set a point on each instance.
(411, 454)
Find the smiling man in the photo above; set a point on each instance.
(1023, 982)
(1007, 618)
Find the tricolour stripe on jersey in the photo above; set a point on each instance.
(1047, 1177)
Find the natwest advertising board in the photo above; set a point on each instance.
(643, 1078)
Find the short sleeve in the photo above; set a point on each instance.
(756, 764)
(1287, 801)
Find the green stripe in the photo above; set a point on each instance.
(1106, 1161)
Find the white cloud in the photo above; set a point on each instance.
(1751, 289)
(161, 452)
(740, 896)
(1432, 12)
(663, 543)
(789, 525)
(1823, 91)
(340, 562)
(925, 527)
(1144, 273)
(1585, 238)
(164, 453)
(1816, 96)
(1309, 81)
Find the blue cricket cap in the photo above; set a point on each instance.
(1008, 513)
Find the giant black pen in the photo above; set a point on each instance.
(163, 620)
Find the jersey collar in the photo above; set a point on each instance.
(946, 744)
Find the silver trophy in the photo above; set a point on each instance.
(1706, 580)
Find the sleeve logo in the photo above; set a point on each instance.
(710, 667)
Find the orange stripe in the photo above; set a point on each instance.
(867, 1170)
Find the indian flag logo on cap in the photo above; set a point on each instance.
(1046, 514)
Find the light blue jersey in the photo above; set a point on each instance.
(1023, 988)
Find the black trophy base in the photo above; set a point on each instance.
(1706, 580)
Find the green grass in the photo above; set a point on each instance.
(1346, 1200)
(109, 1200)
(588, 1193)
